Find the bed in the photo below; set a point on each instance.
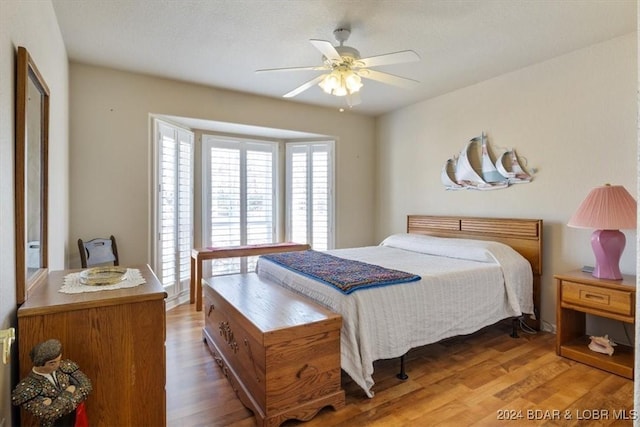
(472, 272)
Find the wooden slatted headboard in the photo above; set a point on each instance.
(523, 235)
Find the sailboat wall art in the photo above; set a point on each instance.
(473, 168)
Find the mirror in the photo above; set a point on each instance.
(31, 175)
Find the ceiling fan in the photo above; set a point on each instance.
(344, 69)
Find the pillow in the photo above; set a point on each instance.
(473, 250)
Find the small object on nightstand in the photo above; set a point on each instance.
(602, 345)
(587, 269)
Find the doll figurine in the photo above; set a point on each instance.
(55, 389)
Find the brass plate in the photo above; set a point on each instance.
(100, 276)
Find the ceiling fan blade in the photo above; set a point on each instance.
(315, 68)
(387, 78)
(389, 58)
(304, 86)
(327, 49)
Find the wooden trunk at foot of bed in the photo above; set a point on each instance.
(279, 350)
(523, 235)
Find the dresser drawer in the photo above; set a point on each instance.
(610, 300)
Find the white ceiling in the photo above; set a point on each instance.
(222, 42)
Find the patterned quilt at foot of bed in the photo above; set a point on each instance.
(344, 274)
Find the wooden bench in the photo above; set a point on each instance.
(279, 350)
(202, 254)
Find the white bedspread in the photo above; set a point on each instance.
(456, 296)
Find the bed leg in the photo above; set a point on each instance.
(514, 327)
(402, 375)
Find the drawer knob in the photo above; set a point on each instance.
(594, 296)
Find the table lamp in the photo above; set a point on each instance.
(608, 209)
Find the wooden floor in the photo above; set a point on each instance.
(485, 379)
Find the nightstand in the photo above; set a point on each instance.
(580, 293)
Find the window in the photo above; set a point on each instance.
(239, 197)
(173, 205)
(309, 190)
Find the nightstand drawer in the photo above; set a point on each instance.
(610, 300)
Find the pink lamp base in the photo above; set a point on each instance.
(607, 247)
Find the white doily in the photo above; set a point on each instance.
(72, 285)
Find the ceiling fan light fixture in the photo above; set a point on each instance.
(330, 82)
(353, 82)
(341, 82)
(339, 91)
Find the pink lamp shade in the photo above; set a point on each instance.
(607, 209)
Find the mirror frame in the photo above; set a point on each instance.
(26, 72)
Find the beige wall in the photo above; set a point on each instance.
(573, 118)
(110, 151)
(31, 24)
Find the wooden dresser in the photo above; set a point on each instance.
(116, 336)
(280, 352)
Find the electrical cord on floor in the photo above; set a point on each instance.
(624, 327)
(526, 328)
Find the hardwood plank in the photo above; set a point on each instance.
(463, 381)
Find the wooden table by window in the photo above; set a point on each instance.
(116, 336)
(580, 293)
(202, 254)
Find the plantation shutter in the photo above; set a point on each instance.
(241, 196)
(310, 194)
(175, 205)
(298, 197)
(320, 193)
(260, 197)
